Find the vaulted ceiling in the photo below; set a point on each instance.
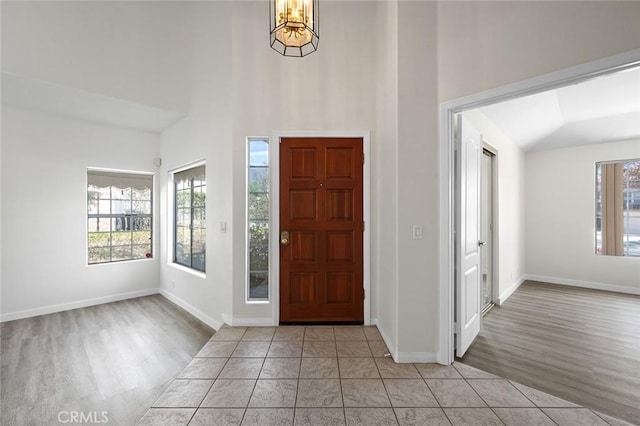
(604, 109)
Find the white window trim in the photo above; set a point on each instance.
(154, 234)
(171, 219)
(247, 299)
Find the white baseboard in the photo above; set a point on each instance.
(387, 341)
(252, 322)
(226, 319)
(28, 313)
(247, 322)
(405, 357)
(508, 292)
(585, 284)
(211, 322)
(408, 357)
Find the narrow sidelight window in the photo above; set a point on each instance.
(190, 193)
(258, 220)
(119, 216)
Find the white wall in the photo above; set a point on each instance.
(417, 181)
(333, 89)
(44, 199)
(205, 134)
(1, 204)
(510, 226)
(486, 44)
(560, 223)
(384, 187)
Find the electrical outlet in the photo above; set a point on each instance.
(223, 227)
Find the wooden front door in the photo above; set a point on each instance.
(321, 230)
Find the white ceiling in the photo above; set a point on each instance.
(604, 109)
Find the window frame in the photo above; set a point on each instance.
(627, 208)
(110, 216)
(249, 220)
(173, 211)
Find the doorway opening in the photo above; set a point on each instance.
(450, 315)
(487, 228)
(321, 230)
(275, 223)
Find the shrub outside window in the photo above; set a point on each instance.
(190, 233)
(119, 216)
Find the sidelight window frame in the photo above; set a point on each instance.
(258, 220)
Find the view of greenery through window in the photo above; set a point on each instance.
(630, 199)
(258, 220)
(119, 217)
(190, 218)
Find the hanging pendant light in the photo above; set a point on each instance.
(294, 26)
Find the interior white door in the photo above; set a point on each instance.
(468, 259)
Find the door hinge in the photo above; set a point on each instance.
(363, 158)
(363, 294)
(363, 228)
(456, 327)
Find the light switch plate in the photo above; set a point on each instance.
(417, 232)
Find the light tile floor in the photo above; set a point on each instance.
(323, 375)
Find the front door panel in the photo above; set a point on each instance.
(321, 250)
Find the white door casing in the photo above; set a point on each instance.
(468, 259)
(487, 228)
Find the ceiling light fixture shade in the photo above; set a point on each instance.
(294, 26)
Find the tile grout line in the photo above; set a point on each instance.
(530, 400)
(468, 379)
(255, 383)
(599, 416)
(480, 396)
(218, 375)
(295, 399)
(344, 408)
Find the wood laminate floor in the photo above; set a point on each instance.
(114, 358)
(578, 344)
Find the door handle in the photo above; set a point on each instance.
(284, 238)
(482, 243)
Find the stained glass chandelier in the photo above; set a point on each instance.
(294, 26)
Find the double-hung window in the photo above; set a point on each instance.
(119, 216)
(190, 193)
